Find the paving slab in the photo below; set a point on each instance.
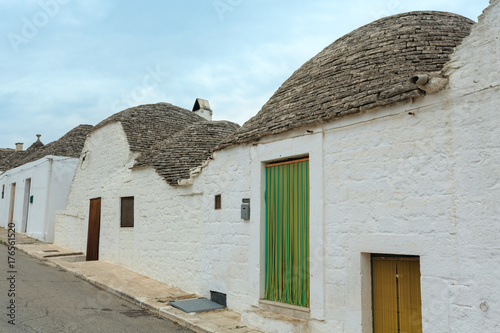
(44, 251)
(20, 238)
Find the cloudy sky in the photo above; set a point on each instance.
(70, 62)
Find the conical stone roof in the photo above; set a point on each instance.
(365, 69)
(69, 145)
(149, 124)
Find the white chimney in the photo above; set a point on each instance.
(202, 108)
(19, 146)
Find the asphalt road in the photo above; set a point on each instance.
(48, 299)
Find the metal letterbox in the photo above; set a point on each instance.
(245, 209)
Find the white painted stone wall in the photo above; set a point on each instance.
(166, 238)
(51, 178)
(227, 257)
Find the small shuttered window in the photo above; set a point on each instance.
(127, 212)
(396, 294)
(218, 201)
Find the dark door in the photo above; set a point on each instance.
(94, 226)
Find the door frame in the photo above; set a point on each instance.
(291, 284)
(269, 152)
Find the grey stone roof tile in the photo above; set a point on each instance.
(5, 157)
(69, 145)
(365, 69)
(147, 125)
(174, 158)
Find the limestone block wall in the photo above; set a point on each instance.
(415, 179)
(168, 231)
(226, 239)
(165, 240)
(402, 184)
(102, 169)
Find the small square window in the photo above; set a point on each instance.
(218, 201)
(127, 212)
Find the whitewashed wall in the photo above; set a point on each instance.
(178, 237)
(166, 238)
(227, 257)
(51, 178)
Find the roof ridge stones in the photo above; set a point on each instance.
(363, 70)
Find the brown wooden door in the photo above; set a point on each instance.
(94, 227)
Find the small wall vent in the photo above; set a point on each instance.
(218, 297)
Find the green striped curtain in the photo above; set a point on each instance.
(287, 232)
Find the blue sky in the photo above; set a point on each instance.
(70, 62)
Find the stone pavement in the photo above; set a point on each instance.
(150, 294)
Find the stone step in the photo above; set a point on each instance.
(272, 322)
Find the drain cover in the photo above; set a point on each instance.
(196, 305)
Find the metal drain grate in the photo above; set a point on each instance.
(196, 305)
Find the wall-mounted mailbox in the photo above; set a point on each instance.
(245, 209)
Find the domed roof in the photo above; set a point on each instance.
(146, 125)
(367, 68)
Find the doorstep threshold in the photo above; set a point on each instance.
(63, 255)
(285, 309)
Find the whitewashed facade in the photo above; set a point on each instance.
(419, 178)
(33, 192)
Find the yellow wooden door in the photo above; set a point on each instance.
(396, 295)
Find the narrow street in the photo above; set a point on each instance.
(48, 299)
